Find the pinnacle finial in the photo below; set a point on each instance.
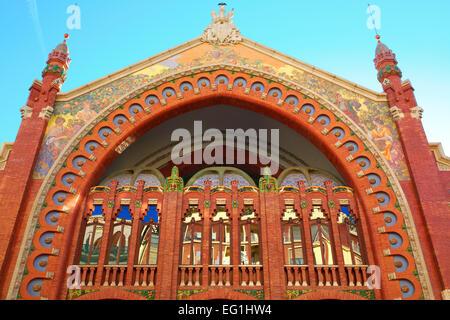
(222, 30)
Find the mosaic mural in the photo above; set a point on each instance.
(70, 117)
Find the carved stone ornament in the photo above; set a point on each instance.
(124, 145)
(416, 112)
(26, 112)
(46, 113)
(386, 81)
(58, 82)
(222, 30)
(396, 113)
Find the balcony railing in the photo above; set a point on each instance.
(248, 276)
(326, 275)
(190, 276)
(144, 275)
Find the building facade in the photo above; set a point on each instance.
(94, 206)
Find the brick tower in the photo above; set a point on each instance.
(425, 191)
(19, 169)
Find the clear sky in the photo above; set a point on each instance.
(329, 34)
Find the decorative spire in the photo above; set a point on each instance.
(61, 53)
(58, 63)
(222, 30)
(267, 182)
(385, 61)
(174, 182)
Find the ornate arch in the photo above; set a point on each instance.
(385, 196)
(220, 171)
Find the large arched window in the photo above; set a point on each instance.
(191, 250)
(249, 237)
(121, 234)
(350, 239)
(292, 237)
(92, 240)
(220, 237)
(321, 237)
(149, 237)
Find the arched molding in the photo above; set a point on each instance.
(256, 101)
(307, 171)
(134, 172)
(221, 172)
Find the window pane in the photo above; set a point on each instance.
(115, 243)
(296, 233)
(255, 254)
(197, 232)
(298, 255)
(88, 234)
(187, 233)
(186, 254)
(215, 233)
(197, 253)
(286, 234)
(243, 234)
(245, 258)
(226, 234)
(125, 244)
(226, 258)
(254, 233)
(317, 250)
(215, 253)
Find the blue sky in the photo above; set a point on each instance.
(331, 35)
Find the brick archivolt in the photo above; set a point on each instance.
(289, 107)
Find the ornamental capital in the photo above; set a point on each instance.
(222, 30)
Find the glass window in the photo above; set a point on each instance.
(350, 241)
(249, 237)
(292, 237)
(121, 234)
(220, 237)
(149, 238)
(322, 244)
(92, 240)
(191, 250)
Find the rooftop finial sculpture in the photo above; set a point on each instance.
(222, 30)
